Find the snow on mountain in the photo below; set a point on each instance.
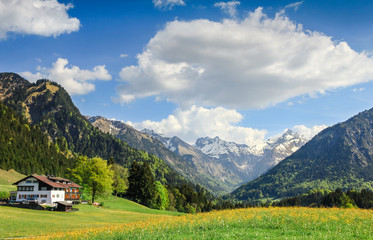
(253, 160)
(216, 147)
(248, 162)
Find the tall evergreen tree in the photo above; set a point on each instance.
(141, 184)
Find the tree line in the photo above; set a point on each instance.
(100, 177)
(327, 198)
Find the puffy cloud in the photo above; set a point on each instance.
(40, 17)
(72, 78)
(167, 4)
(198, 122)
(253, 63)
(228, 7)
(309, 132)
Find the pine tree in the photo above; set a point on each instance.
(141, 184)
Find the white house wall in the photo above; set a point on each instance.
(52, 196)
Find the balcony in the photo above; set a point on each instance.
(72, 196)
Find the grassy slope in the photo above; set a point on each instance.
(16, 222)
(252, 223)
(7, 178)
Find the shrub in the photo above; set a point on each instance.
(4, 195)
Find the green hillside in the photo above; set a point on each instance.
(49, 107)
(26, 149)
(339, 157)
(191, 163)
(17, 222)
(7, 178)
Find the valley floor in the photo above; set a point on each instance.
(252, 223)
(17, 222)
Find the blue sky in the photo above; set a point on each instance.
(241, 70)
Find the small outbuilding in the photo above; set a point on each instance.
(64, 206)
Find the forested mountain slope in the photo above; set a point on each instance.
(340, 156)
(25, 148)
(184, 164)
(47, 105)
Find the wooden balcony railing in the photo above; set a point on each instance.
(72, 196)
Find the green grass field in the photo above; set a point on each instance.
(123, 219)
(252, 223)
(7, 178)
(17, 222)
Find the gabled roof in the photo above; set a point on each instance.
(51, 181)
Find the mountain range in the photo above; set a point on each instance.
(218, 165)
(187, 160)
(255, 160)
(340, 156)
(47, 105)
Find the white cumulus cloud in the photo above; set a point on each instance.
(253, 63)
(309, 132)
(75, 80)
(228, 7)
(168, 4)
(40, 17)
(197, 122)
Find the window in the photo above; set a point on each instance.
(53, 196)
(43, 188)
(58, 195)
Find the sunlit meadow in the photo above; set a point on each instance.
(252, 223)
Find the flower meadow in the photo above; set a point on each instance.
(251, 223)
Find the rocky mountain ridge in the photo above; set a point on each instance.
(257, 159)
(246, 162)
(340, 156)
(46, 105)
(189, 161)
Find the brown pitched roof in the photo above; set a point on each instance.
(51, 181)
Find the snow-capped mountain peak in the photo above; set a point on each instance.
(215, 147)
(268, 153)
(250, 161)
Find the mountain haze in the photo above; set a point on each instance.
(340, 156)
